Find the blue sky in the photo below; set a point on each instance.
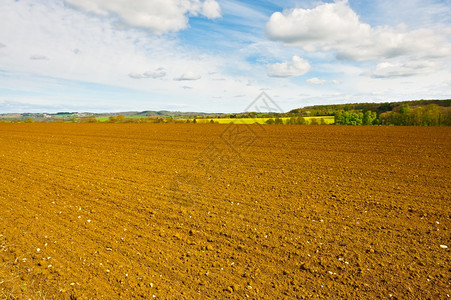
(219, 55)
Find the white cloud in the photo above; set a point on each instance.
(158, 73)
(326, 21)
(188, 76)
(296, 67)
(2, 45)
(136, 75)
(211, 9)
(336, 27)
(316, 81)
(38, 57)
(387, 69)
(158, 16)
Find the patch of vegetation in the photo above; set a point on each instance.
(406, 113)
(412, 113)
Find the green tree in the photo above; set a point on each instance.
(446, 116)
(290, 121)
(369, 117)
(385, 118)
(356, 118)
(29, 120)
(404, 117)
(416, 116)
(338, 118)
(404, 109)
(314, 121)
(300, 121)
(431, 116)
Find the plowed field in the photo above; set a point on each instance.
(224, 211)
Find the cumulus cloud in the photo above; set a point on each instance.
(211, 9)
(389, 70)
(158, 16)
(330, 20)
(158, 73)
(188, 76)
(38, 57)
(296, 67)
(336, 27)
(316, 81)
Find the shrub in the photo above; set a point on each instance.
(314, 121)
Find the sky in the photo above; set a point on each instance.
(220, 55)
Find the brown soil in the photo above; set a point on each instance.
(215, 211)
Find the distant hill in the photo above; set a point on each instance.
(144, 114)
(159, 113)
(379, 108)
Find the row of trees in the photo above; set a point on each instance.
(123, 119)
(297, 121)
(352, 118)
(430, 115)
(379, 108)
(403, 115)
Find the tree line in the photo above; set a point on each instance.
(352, 118)
(379, 108)
(403, 115)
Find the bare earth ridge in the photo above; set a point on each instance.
(224, 211)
